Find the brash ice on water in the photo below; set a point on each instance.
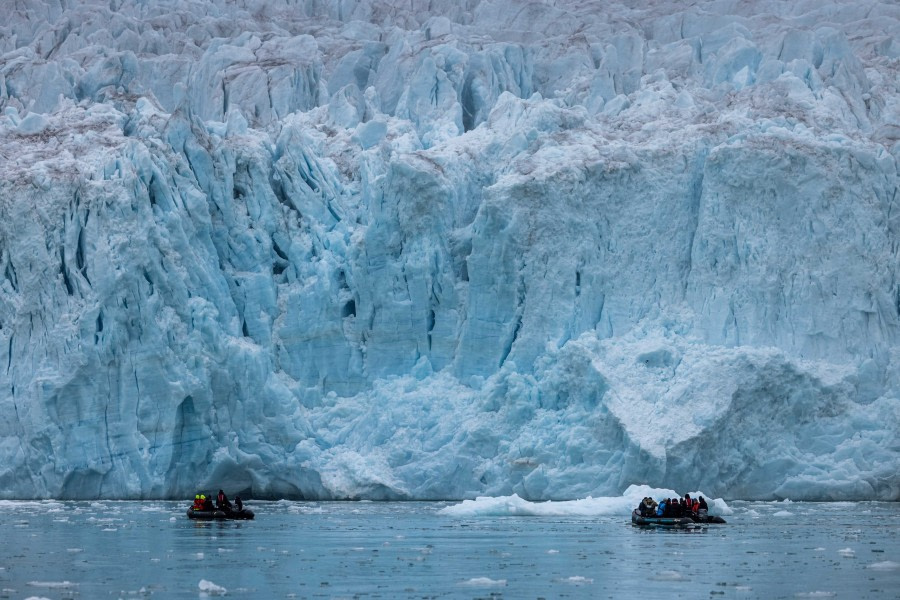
(576, 549)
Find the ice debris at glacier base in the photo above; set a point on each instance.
(361, 250)
(514, 506)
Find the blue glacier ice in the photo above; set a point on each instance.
(409, 250)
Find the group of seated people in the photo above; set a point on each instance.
(202, 502)
(673, 507)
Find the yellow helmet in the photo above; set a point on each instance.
(197, 497)
(202, 497)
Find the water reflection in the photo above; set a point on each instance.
(398, 550)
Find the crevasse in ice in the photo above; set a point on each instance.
(390, 249)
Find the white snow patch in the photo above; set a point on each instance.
(669, 576)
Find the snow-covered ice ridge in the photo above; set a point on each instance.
(409, 249)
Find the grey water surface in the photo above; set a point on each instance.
(111, 549)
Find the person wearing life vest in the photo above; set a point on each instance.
(661, 507)
(207, 502)
(198, 504)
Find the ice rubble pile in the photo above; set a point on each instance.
(390, 249)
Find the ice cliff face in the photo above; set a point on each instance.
(384, 249)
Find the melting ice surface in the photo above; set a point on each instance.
(579, 549)
(387, 249)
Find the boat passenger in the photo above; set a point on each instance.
(207, 502)
(702, 508)
(238, 503)
(222, 502)
(661, 507)
(198, 504)
(687, 504)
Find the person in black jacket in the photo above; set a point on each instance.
(222, 502)
(702, 508)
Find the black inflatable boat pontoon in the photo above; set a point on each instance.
(220, 515)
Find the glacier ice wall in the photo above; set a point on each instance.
(383, 249)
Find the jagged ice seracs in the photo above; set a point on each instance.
(416, 250)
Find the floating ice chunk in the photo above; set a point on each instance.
(578, 580)
(783, 513)
(669, 576)
(211, 589)
(483, 582)
(516, 506)
(886, 565)
(53, 584)
(587, 507)
(847, 552)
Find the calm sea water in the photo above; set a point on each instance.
(408, 550)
